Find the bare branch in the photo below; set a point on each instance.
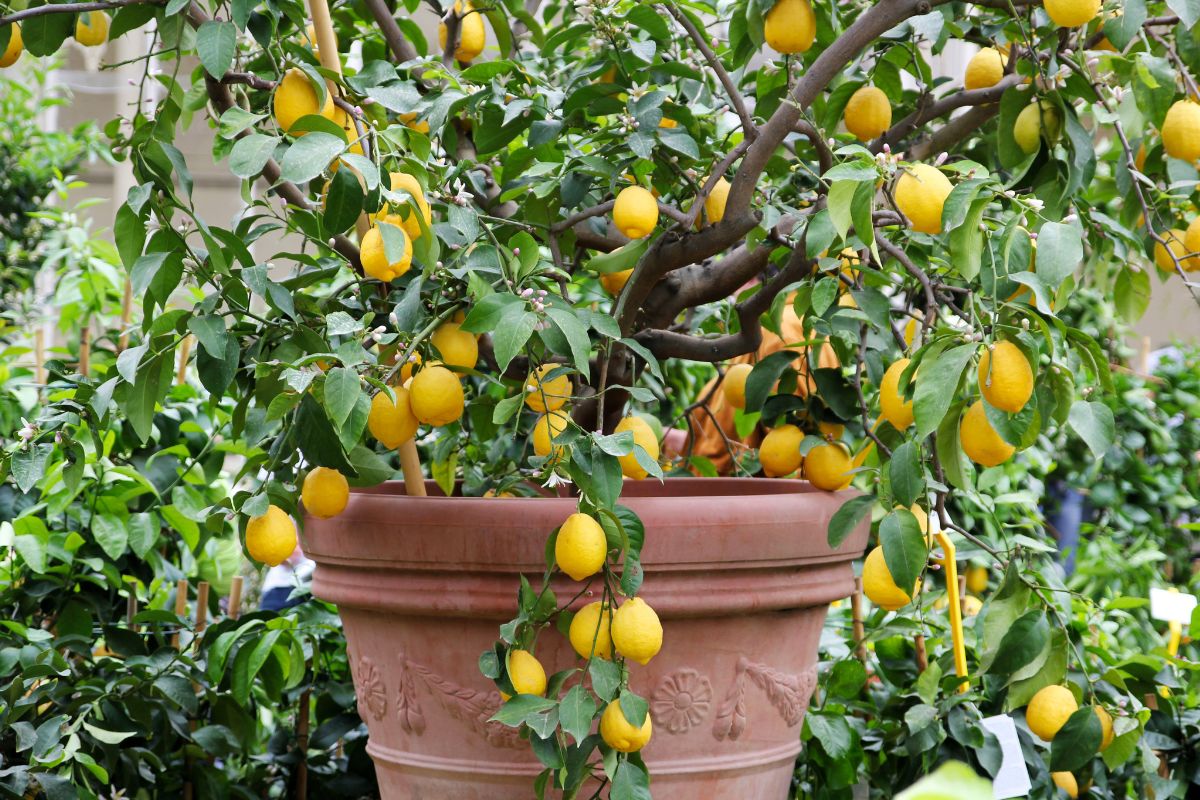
(595, 211)
(954, 131)
(71, 8)
(453, 22)
(401, 48)
(810, 132)
(735, 97)
(932, 110)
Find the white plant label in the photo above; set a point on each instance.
(1172, 606)
(1012, 779)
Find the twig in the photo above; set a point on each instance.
(70, 8)
(735, 97)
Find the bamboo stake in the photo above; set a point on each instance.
(235, 597)
(181, 599)
(410, 462)
(955, 604)
(185, 352)
(126, 315)
(85, 350)
(201, 608)
(860, 634)
(131, 605)
(301, 787)
(39, 356)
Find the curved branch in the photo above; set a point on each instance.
(573, 220)
(952, 132)
(974, 97)
(810, 132)
(401, 48)
(71, 8)
(735, 97)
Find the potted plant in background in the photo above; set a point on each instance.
(493, 257)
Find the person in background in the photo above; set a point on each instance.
(282, 581)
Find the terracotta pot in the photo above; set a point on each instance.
(738, 570)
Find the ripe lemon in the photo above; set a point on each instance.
(790, 26)
(1049, 710)
(295, 97)
(1181, 130)
(413, 363)
(1072, 13)
(457, 347)
(614, 282)
(91, 28)
(374, 260)
(1176, 241)
(471, 34)
(1191, 242)
(589, 632)
(636, 631)
(325, 492)
(779, 452)
(734, 385)
(436, 396)
(636, 212)
(895, 409)
(1106, 726)
(618, 734)
(1038, 120)
(392, 424)
(1005, 377)
(14, 48)
(828, 466)
(1066, 781)
(868, 113)
(912, 327)
(643, 436)
(547, 395)
(714, 204)
(410, 121)
(879, 586)
(920, 193)
(977, 579)
(271, 538)
(547, 427)
(971, 606)
(526, 674)
(979, 439)
(985, 69)
(831, 429)
(581, 548)
(403, 182)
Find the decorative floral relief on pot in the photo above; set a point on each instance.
(369, 689)
(788, 693)
(408, 707)
(470, 706)
(681, 701)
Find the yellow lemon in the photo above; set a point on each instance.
(373, 256)
(828, 466)
(436, 396)
(589, 632)
(14, 48)
(979, 439)
(547, 395)
(614, 282)
(1005, 377)
(734, 385)
(635, 212)
(91, 28)
(471, 34)
(636, 632)
(920, 193)
(271, 538)
(971, 606)
(868, 113)
(912, 327)
(779, 452)
(790, 26)
(1066, 781)
(977, 579)
(879, 586)
(833, 430)
(526, 673)
(1049, 710)
(643, 436)
(1191, 242)
(403, 182)
(406, 372)
(619, 734)
(457, 347)
(1106, 726)
(410, 121)
(547, 427)
(392, 424)
(714, 204)
(1072, 13)
(895, 409)
(1176, 242)
(1038, 120)
(581, 548)
(985, 69)
(295, 97)
(1181, 130)
(325, 492)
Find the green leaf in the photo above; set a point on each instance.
(513, 331)
(576, 711)
(907, 476)
(936, 385)
(620, 259)
(1131, 293)
(848, 517)
(343, 201)
(110, 534)
(631, 782)
(904, 548)
(318, 439)
(952, 780)
(1093, 422)
(251, 153)
(485, 315)
(153, 381)
(606, 679)
(966, 241)
(1052, 671)
(43, 35)
(1059, 253)
(634, 707)
(215, 44)
(846, 679)
(143, 532)
(576, 335)
(764, 376)
(29, 465)
(342, 389)
(1024, 642)
(1188, 11)
(1077, 741)
(833, 732)
(210, 332)
(514, 712)
(309, 156)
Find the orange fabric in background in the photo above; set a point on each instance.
(708, 440)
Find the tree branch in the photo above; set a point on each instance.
(401, 48)
(930, 111)
(952, 132)
(71, 8)
(735, 97)
(810, 132)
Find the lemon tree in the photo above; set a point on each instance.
(501, 240)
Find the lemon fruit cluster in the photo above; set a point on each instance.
(373, 253)
(581, 547)
(790, 27)
(547, 395)
(405, 216)
(920, 194)
(325, 492)
(879, 586)
(271, 537)
(1049, 710)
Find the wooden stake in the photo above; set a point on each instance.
(181, 599)
(235, 597)
(201, 608)
(126, 315)
(922, 654)
(85, 350)
(301, 785)
(1144, 357)
(860, 633)
(39, 356)
(410, 465)
(131, 605)
(185, 352)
